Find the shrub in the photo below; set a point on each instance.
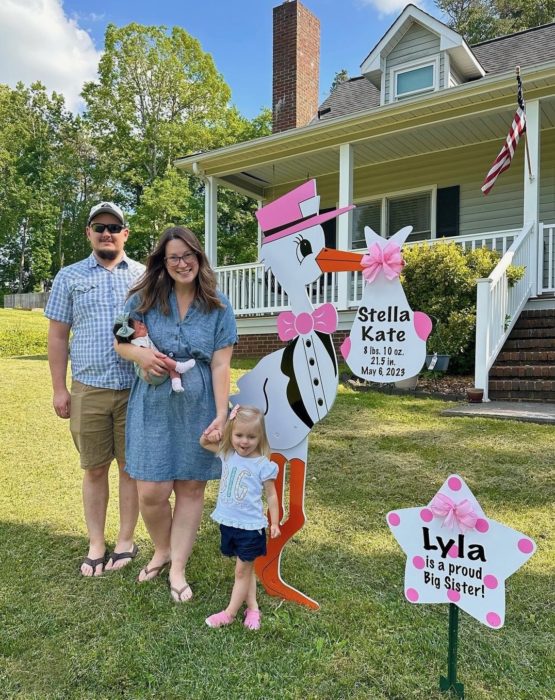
(441, 280)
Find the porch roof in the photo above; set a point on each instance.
(470, 113)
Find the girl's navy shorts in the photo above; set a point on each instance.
(245, 544)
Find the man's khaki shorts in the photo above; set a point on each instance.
(97, 424)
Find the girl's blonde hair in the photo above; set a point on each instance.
(245, 414)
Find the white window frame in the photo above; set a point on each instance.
(407, 68)
(383, 199)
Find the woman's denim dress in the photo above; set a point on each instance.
(164, 427)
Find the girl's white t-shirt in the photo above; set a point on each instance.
(240, 495)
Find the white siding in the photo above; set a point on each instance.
(416, 44)
(500, 210)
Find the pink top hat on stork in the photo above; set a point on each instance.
(295, 211)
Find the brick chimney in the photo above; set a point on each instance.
(296, 66)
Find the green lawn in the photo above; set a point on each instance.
(62, 636)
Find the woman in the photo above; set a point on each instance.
(187, 318)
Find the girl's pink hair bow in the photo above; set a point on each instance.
(461, 515)
(388, 259)
(234, 412)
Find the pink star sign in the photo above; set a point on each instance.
(457, 555)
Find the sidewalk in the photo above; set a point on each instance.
(528, 412)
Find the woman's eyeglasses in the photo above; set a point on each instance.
(112, 228)
(174, 260)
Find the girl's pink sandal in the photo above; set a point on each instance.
(219, 619)
(252, 619)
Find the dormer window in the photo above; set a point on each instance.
(414, 78)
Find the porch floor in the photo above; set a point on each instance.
(525, 411)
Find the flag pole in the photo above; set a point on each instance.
(530, 176)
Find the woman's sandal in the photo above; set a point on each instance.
(156, 570)
(179, 592)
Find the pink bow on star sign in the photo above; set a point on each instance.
(323, 319)
(460, 514)
(387, 259)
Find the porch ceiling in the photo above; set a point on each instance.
(469, 114)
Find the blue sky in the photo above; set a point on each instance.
(238, 34)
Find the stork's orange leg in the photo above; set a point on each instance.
(268, 567)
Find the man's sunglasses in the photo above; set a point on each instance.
(112, 228)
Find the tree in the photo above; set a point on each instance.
(479, 20)
(340, 77)
(168, 101)
(31, 124)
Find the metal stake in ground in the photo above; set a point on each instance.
(450, 683)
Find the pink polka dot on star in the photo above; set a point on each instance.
(493, 619)
(482, 525)
(490, 581)
(418, 562)
(426, 515)
(412, 594)
(525, 545)
(454, 483)
(393, 519)
(453, 596)
(454, 551)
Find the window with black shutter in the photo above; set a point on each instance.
(447, 211)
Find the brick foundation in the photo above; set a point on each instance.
(259, 344)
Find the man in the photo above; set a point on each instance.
(85, 299)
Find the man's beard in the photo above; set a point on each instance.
(107, 254)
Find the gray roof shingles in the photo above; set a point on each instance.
(526, 48)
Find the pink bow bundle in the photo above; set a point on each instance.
(323, 319)
(461, 515)
(387, 259)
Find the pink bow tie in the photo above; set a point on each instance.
(460, 514)
(323, 319)
(388, 259)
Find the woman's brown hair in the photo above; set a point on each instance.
(156, 285)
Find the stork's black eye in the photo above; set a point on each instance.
(303, 249)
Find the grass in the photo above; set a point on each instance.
(65, 637)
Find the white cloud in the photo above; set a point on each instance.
(389, 7)
(38, 42)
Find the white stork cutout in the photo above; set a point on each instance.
(296, 386)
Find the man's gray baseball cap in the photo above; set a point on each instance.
(106, 208)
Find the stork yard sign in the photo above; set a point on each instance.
(388, 339)
(457, 555)
(295, 387)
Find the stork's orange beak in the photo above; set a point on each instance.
(331, 260)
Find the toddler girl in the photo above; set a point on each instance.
(129, 330)
(246, 470)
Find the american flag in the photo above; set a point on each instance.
(503, 160)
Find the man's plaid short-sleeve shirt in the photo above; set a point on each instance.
(88, 297)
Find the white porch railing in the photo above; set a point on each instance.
(253, 291)
(496, 240)
(499, 305)
(546, 271)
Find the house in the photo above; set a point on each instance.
(409, 141)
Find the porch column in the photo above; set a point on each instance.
(211, 220)
(259, 206)
(532, 188)
(346, 158)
